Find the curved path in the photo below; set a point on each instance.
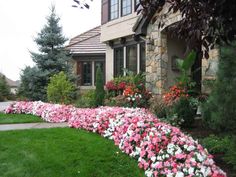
(5, 127)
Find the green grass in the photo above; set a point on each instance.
(18, 118)
(62, 152)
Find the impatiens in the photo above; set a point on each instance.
(160, 149)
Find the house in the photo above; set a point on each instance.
(88, 54)
(131, 42)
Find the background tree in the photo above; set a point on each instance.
(32, 84)
(4, 88)
(51, 59)
(205, 22)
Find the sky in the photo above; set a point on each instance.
(22, 20)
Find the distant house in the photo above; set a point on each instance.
(88, 54)
(14, 85)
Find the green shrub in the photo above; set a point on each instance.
(222, 145)
(215, 144)
(99, 92)
(220, 110)
(184, 111)
(60, 89)
(86, 100)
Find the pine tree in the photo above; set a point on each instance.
(51, 59)
(220, 110)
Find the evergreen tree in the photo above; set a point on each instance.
(220, 110)
(32, 84)
(51, 59)
(99, 92)
(4, 88)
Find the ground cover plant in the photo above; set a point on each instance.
(62, 152)
(18, 118)
(160, 149)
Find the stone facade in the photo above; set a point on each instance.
(159, 75)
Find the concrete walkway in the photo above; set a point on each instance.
(5, 127)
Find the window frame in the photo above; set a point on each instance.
(82, 73)
(136, 58)
(131, 4)
(118, 9)
(115, 73)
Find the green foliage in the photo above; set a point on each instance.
(184, 66)
(99, 91)
(60, 89)
(33, 82)
(220, 110)
(184, 111)
(51, 59)
(222, 145)
(215, 144)
(86, 100)
(4, 88)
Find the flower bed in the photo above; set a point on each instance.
(160, 149)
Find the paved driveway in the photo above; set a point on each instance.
(3, 105)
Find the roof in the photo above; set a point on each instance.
(87, 43)
(10, 82)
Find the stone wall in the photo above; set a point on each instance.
(157, 57)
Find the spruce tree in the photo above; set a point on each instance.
(51, 59)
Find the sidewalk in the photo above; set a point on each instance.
(5, 127)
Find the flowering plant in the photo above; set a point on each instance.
(174, 93)
(137, 96)
(160, 149)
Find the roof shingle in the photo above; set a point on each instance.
(87, 43)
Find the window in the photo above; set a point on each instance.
(131, 58)
(126, 7)
(114, 9)
(142, 58)
(86, 73)
(118, 61)
(102, 66)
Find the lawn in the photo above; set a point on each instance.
(18, 118)
(62, 152)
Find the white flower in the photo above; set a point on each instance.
(153, 158)
(200, 157)
(179, 174)
(148, 173)
(191, 171)
(169, 175)
(191, 148)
